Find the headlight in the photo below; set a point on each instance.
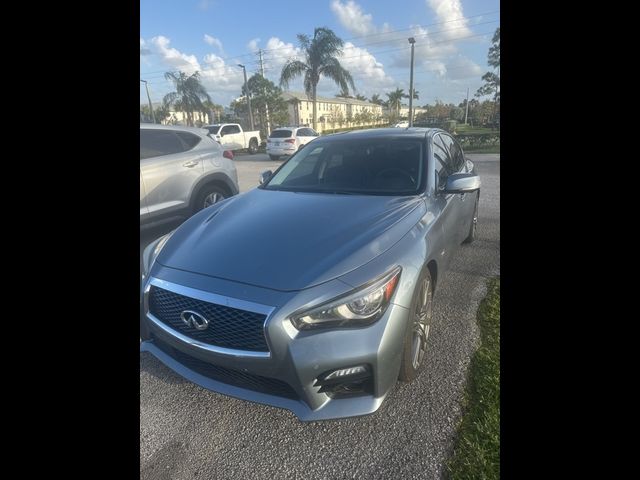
(152, 251)
(362, 307)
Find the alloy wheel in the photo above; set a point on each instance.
(421, 323)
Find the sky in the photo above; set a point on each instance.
(214, 36)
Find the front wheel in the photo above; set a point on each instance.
(415, 342)
(474, 223)
(209, 195)
(253, 146)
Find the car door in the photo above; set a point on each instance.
(169, 169)
(449, 203)
(466, 200)
(232, 138)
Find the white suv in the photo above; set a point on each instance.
(288, 140)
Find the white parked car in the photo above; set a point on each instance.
(403, 124)
(232, 137)
(288, 140)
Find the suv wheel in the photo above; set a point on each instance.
(274, 157)
(209, 195)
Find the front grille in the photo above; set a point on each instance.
(228, 327)
(229, 376)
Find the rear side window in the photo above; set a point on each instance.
(230, 129)
(189, 139)
(156, 143)
(280, 134)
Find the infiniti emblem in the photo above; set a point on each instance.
(194, 319)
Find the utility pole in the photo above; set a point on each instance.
(246, 88)
(153, 117)
(266, 105)
(412, 41)
(466, 112)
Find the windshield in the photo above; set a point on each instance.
(213, 130)
(368, 167)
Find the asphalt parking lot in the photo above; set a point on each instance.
(187, 432)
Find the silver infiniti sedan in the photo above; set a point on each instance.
(314, 291)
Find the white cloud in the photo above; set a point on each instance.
(450, 11)
(214, 42)
(143, 48)
(205, 4)
(461, 67)
(277, 53)
(218, 76)
(173, 57)
(368, 73)
(352, 17)
(253, 44)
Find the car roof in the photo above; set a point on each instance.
(176, 128)
(410, 132)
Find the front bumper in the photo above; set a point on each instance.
(295, 359)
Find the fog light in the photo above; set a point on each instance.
(346, 381)
(346, 371)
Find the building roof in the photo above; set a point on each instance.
(349, 101)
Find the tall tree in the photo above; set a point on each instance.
(416, 95)
(344, 94)
(375, 98)
(265, 95)
(492, 79)
(395, 99)
(361, 97)
(189, 95)
(321, 60)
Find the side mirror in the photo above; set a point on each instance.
(462, 183)
(265, 176)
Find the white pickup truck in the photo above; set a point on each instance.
(231, 137)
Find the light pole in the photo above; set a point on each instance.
(412, 41)
(153, 117)
(246, 88)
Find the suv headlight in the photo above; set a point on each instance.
(361, 307)
(152, 251)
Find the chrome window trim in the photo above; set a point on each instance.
(210, 298)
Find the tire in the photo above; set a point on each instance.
(253, 146)
(421, 315)
(274, 157)
(474, 223)
(209, 195)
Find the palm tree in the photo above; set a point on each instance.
(189, 95)
(361, 97)
(321, 60)
(395, 99)
(416, 95)
(375, 98)
(344, 94)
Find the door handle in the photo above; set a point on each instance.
(190, 163)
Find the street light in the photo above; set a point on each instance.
(153, 117)
(412, 41)
(246, 88)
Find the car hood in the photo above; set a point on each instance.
(289, 241)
